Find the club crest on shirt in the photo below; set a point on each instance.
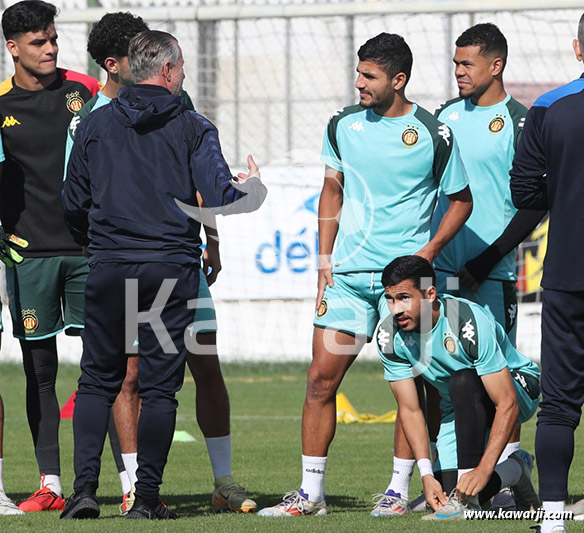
(322, 309)
(30, 320)
(74, 102)
(497, 124)
(450, 344)
(410, 136)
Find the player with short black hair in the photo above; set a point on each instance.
(27, 16)
(384, 161)
(46, 289)
(479, 262)
(409, 267)
(488, 37)
(484, 382)
(391, 52)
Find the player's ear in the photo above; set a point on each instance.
(111, 65)
(430, 293)
(399, 81)
(12, 48)
(497, 66)
(577, 51)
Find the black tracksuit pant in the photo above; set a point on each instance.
(163, 290)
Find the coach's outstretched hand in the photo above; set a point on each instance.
(8, 255)
(254, 171)
(435, 495)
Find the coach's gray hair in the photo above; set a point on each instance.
(149, 51)
(581, 33)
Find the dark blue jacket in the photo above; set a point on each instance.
(133, 162)
(548, 173)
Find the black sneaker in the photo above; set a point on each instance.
(142, 511)
(82, 504)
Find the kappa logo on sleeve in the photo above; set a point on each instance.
(73, 125)
(382, 339)
(468, 331)
(444, 132)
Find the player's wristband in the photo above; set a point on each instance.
(425, 467)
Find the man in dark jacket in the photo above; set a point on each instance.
(134, 165)
(548, 173)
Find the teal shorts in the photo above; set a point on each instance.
(353, 304)
(205, 319)
(47, 296)
(499, 297)
(527, 390)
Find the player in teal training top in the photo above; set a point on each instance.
(487, 123)
(459, 348)
(385, 159)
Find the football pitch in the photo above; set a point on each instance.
(266, 404)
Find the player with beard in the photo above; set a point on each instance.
(487, 123)
(385, 159)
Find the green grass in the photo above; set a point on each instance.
(266, 403)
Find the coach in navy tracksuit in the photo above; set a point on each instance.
(548, 173)
(132, 161)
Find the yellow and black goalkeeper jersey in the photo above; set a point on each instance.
(34, 130)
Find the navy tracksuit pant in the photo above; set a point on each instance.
(562, 387)
(161, 363)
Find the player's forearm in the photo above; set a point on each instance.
(518, 229)
(329, 212)
(457, 214)
(211, 232)
(414, 426)
(505, 419)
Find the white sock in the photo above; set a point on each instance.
(125, 481)
(461, 472)
(313, 472)
(401, 477)
(508, 450)
(219, 449)
(53, 483)
(552, 507)
(131, 464)
(1, 475)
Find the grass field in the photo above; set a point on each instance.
(266, 404)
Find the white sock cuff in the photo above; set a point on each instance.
(406, 463)
(508, 450)
(314, 460)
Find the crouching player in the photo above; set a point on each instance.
(486, 386)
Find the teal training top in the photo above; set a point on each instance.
(465, 336)
(488, 137)
(392, 168)
(96, 102)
